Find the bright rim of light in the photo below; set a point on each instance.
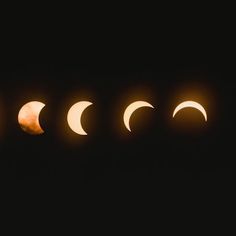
(131, 109)
(74, 117)
(29, 116)
(191, 104)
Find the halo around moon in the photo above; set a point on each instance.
(191, 104)
(74, 117)
(131, 109)
(28, 117)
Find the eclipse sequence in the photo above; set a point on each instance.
(28, 117)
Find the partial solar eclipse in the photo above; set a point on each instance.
(131, 109)
(191, 104)
(74, 116)
(28, 117)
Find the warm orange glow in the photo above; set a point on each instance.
(191, 104)
(131, 109)
(28, 117)
(74, 117)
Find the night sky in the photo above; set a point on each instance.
(160, 149)
(174, 174)
(163, 63)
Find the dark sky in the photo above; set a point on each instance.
(112, 54)
(164, 63)
(159, 149)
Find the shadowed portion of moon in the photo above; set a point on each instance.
(28, 118)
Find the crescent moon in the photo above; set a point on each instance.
(131, 109)
(74, 117)
(28, 117)
(191, 104)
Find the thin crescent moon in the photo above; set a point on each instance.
(28, 117)
(191, 104)
(131, 109)
(74, 116)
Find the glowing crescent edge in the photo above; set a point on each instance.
(190, 104)
(131, 109)
(78, 109)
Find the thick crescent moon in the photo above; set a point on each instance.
(74, 116)
(191, 104)
(28, 117)
(131, 109)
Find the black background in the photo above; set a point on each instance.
(165, 63)
(159, 148)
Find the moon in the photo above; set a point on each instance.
(131, 109)
(28, 117)
(74, 116)
(191, 104)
